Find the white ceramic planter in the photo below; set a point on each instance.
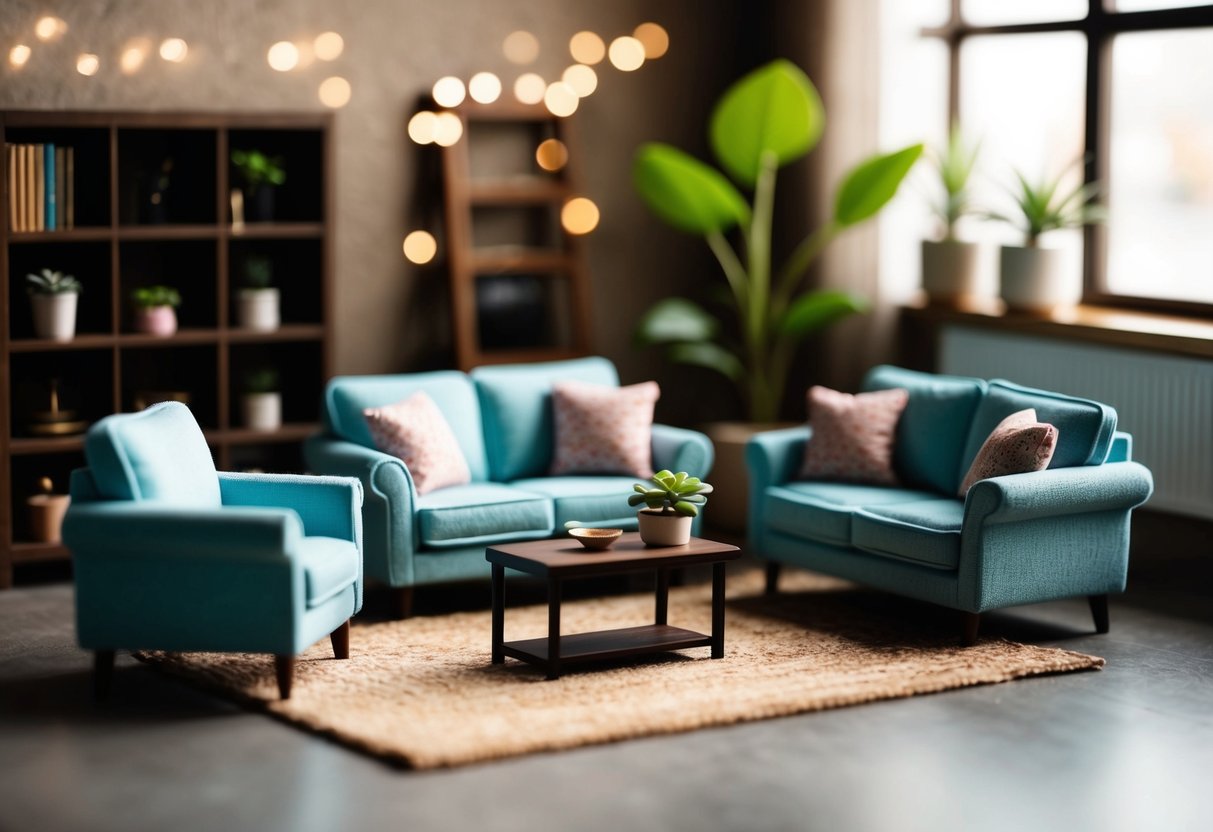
(950, 270)
(258, 309)
(657, 529)
(1036, 279)
(262, 411)
(55, 315)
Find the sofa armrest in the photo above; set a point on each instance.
(772, 457)
(680, 449)
(1058, 492)
(1122, 447)
(328, 506)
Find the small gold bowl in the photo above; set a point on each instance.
(596, 538)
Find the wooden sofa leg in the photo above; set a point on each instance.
(402, 601)
(772, 577)
(284, 669)
(972, 621)
(341, 640)
(103, 673)
(1099, 611)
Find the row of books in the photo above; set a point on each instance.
(41, 196)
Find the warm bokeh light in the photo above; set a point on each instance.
(48, 28)
(88, 64)
(283, 56)
(581, 78)
(448, 129)
(654, 38)
(335, 92)
(421, 127)
(449, 91)
(484, 87)
(579, 215)
(328, 46)
(587, 48)
(18, 56)
(626, 53)
(420, 247)
(529, 88)
(174, 50)
(560, 99)
(551, 154)
(133, 58)
(520, 48)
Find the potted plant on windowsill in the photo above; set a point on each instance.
(258, 301)
(155, 309)
(950, 265)
(261, 175)
(54, 296)
(262, 401)
(671, 501)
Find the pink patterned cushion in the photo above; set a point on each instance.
(604, 430)
(416, 431)
(852, 438)
(1018, 445)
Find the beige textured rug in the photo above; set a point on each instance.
(423, 693)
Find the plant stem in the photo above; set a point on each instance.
(756, 315)
(793, 269)
(734, 272)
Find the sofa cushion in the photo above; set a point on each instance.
(1018, 445)
(852, 435)
(488, 512)
(931, 435)
(822, 510)
(925, 532)
(346, 397)
(1084, 427)
(516, 404)
(602, 429)
(596, 501)
(416, 431)
(329, 566)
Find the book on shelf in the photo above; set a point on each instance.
(38, 186)
(41, 192)
(48, 185)
(60, 203)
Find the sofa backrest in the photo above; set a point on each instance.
(516, 403)
(346, 397)
(933, 430)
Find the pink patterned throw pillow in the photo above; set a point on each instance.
(1018, 445)
(416, 431)
(852, 437)
(604, 430)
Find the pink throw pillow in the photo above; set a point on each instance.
(852, 437)
(604, 430)
(416, 431)
(1018, 445)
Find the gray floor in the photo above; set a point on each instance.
(1126, 748)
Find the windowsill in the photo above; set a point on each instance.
(1092, 324)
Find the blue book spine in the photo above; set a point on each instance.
(49, 155)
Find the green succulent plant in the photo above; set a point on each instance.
(145, 297)
(50, 282)
(954, 163)
(256, 168)
(258, 272)
(671, 493)
(1044, 206)
(261, 380)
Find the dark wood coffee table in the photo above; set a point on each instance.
(559, 559)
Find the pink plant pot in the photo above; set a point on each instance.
(156, 320)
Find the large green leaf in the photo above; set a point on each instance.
(707, 354)
(775, 108)
(816, 310)
(871, 184)
(676, 320)
(685, 192)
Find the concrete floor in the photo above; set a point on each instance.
(1127, 748)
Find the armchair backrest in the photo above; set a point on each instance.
(157, 454)
(516, 404)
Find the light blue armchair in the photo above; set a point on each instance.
(170, 554)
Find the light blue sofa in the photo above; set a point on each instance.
(1022, 539)
(502, 417)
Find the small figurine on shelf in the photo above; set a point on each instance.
(53, 295)
(262, 400)
(46, 511)
(261, 175)
(155, 311)
(258, 300)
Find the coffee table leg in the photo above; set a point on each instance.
(718, 610)
(498, 613)
(663, 595)
(553, 628)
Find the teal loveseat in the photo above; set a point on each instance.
(501, 416)
(1021, 539)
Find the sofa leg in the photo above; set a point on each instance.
(284, 669)
(772, 585)
(402, 602)
(103, 673)
(1099, 611)
(341, 640)
(972, 621)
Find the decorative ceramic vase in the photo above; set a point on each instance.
(1036, 280)
(950, 271)
(46, 513)
(657, 529)
(156, 320)
(257, 309)
(262, 411)
(55, 315)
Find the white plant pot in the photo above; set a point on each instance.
(262, 411)
(1036, 279)
(657, 529)
(55, 315)
(258, 309)
(950, 270)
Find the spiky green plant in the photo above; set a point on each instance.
(145, 297)
(954, 163)
(261, 380)
(50, 282)
(256, 168)
(1044, 206)
(671, 493)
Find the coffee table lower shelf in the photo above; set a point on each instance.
(608, 644)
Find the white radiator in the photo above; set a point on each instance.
(1166, 402)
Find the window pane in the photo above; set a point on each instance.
(1160, 230)
(1149, 5)
(1000, 12)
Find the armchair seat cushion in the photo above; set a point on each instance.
(592, 500)
(822, 511)
(482, 512)
(330, 565)
(925, 532)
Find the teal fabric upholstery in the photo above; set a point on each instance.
(465, 514)
(591, 501)
(1018, 539)
(273, 565)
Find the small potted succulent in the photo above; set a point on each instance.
(53, 295)
(671, 501)
(262, 401)
(155, 309)
(258, 302)
(261, 174)
(950, 265)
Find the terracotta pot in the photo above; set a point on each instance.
(257, 309)
(46, 516)
(1036, 280)
(55, 315)
(657, 529)
(156, 320)
(728, 504)
(262, 411)
(950, 271)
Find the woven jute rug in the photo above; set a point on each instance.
(423, 693)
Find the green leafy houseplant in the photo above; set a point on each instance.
(769, 118)
(258, 272)
(261, 380)
(257, 169)
(954, 164)
(671, 493)
(147, 297)
(1045, 206)
(51, 282)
